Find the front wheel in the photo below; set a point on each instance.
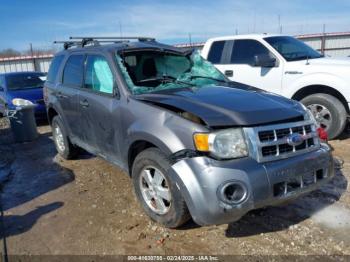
(155, 189)
(329, 112)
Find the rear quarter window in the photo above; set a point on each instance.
(73, 71)
(54, 67)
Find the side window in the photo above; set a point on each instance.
(215, 52)
(98, 74)
(73, 71)
(244, 51)
(55, 65)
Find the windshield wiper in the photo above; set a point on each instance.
(208, 77)
(165, 78)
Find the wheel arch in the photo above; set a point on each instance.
(136, 148)
(314, 89)
(51, 113)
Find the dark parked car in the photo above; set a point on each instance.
(25, 85)
(194, 143)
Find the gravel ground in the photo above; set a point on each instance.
(87, 206)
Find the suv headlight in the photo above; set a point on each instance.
(225, 144)
(309, 115)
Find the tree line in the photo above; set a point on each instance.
(10, 52)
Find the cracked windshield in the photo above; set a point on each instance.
(151, 71)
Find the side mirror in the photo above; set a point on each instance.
(264, 60)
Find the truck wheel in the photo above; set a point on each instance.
(62, 143)
(329, 112)
(157, 192)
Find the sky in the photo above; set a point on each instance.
(40, 22)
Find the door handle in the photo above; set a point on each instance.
(60, 95)
(84, 103)
(229, 73)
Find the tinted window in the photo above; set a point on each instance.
(244, 51)
(73, 71)
(215, 52)
(55, 65)
(98, 74)
(25, 81)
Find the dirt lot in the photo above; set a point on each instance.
(87, 206)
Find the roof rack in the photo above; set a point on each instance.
(140, 38)
(83, 41)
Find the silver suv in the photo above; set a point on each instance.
(195, 144)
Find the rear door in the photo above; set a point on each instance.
(67, 92)
(99, 103)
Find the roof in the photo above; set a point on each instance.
(250, 36)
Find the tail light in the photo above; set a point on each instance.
(323, 135)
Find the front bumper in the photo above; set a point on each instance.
(200, 178)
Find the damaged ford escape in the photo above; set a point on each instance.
(195, 144)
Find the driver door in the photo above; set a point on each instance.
(238, 65)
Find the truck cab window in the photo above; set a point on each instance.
(244, 51)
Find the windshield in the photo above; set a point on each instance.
(150, 71)
(25, 81)
(292, 49)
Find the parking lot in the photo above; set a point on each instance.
(87, 206)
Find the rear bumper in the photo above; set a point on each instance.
(201, 179)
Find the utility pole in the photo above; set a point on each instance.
(120, 28)
(35, 66)
(323, 40)
(31, 50)
(190, 38)
(254, 25)
(279, 24)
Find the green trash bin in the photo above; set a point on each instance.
(22, 121)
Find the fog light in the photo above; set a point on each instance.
(233, 193)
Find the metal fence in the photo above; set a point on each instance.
(330, 44)
(25, 63)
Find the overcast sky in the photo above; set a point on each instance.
(42, 21)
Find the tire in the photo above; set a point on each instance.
(333, 111)
(63, 146)
(153, 162)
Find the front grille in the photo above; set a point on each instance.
(273, 144)
(296, 183)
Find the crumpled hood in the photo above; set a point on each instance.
(227, 106)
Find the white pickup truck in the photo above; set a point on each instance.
(286, 66)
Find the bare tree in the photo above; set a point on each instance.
(9, 52)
